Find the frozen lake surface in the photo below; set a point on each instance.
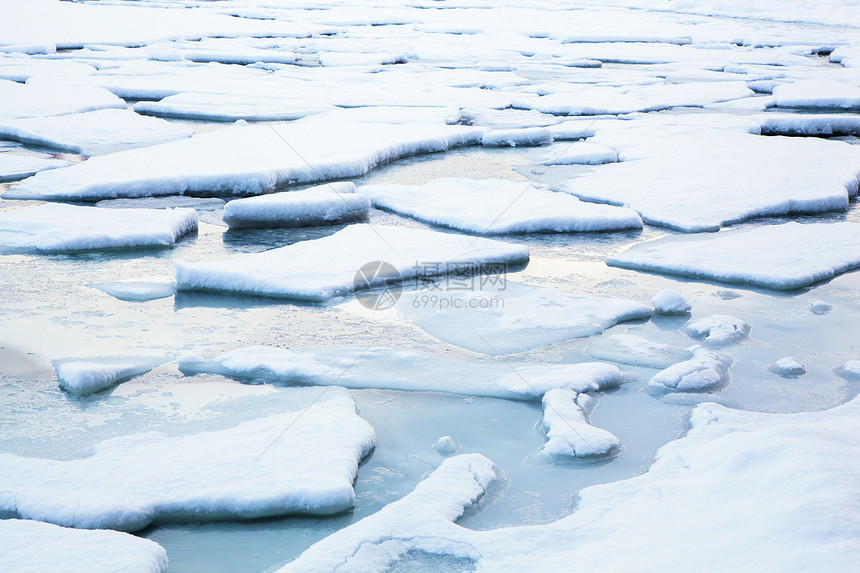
(714, 146)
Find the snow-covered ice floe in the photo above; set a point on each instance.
(236, 473)
(798, 255)
(391, 369)
(668, 301)
(36, 547)
(741, 491)
(86, 376)
(231, 107)
(525, 137)
(245, 159)
(57, 228)
(580, 153)
(787, 367)
(93, 132)
(568, 432)
(322, 269)
(712, 186)
(706, 370)
(14, 166)
(497, 206)
(321, 205)
(809, 124)
(850, 370)
(518, 318)
(718, 329)
(818, 94)
(41, 99)
(635, 350)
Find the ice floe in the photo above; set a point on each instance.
(637, 351)
(86, 376)
(34, 547)
(14, 166)
(57, 228)
(718, 329)
(137, 290)
(51, 99)
(798, 255)
(93, 132)
(568, 431)
(516, 318)
(245, 159)
(322, 269)
(446, 446)
(809, 124)
(517, 137)
(321, 205)
(130, 481)
(817, 94)
(496, 206)
(209, 209)
(231, 107)
(763, 459)
(787, 367)
(820, 307)
(668, 301)
(580, 153)
(706, 370)
(850, 370)
(391, 369)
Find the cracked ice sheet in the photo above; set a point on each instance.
(514, 318)
(53, 228)
(48, 99)
(495, 206)
(35, 547)
(712, 186)
(798, 255)
(322, 269)
(93, 132)
(409, 370)
(129, 482)
(763, 460)
(245, 159)
(14, 167)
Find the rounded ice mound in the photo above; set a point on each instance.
(446, 446)
(787, 367)
(727, 294)
(820, 307)
(668, 301)
(850, 370)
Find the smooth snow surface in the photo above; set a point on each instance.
(58, 228)
(798, 255)
(130, 481)
(517, 137)
(706, 370)
(496, 206)
(325, 268)
(14, 166)
(635, 350)
(35, 547)
(320, 205)
(668, 301)
(51, 99)
(819, 94)
(580, 153)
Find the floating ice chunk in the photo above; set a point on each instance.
(14, 167)
(819, 94)
(232, 107)
(34, 546)
(93, 132)
(820, 307)
(668, 301)
(131, 481)
(57, 228)
(774, 465)
(798, 255)
(322, 205)
(848, 56)
(322, 269)
(518, 318)
(409, 370)
(517, 137)
(446, 446)
(568, 431)
(635, 350)
(21, 69)
(137, 291)
(245, 159)
(496, 206)
(706, 370)
(433, 506)
(580, 153)
(850, 370)
(718, 329)
(80, 376)
(728, 294)
(51, 98)
(787, 367)
(813, 124)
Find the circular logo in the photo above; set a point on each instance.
(377, 285)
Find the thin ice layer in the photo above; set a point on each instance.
(635, 350)
(130, 481)
(496, 206)
(325, 268)
(56, 228)
(798, 255)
